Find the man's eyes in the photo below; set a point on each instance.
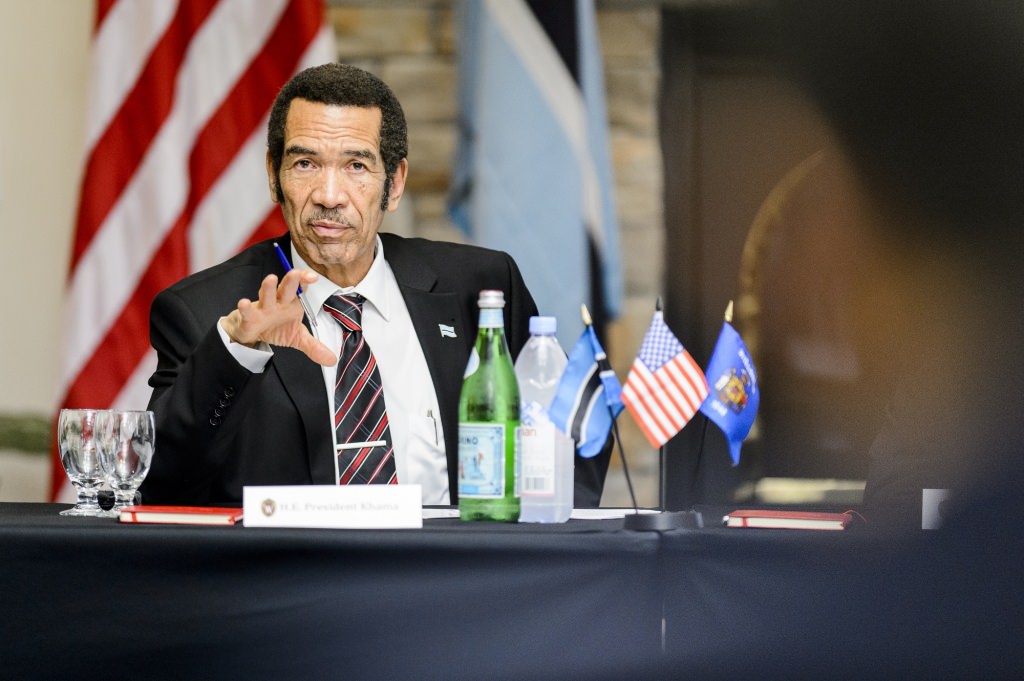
(357, 167)
(307, 164)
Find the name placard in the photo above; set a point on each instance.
(352, 507)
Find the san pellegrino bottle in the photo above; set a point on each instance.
(545, 453)
(488, 418)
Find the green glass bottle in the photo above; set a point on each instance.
(488, 418)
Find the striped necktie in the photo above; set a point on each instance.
(360, 417)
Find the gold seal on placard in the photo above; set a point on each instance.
(268, 507)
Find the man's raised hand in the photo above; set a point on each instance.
(276, 318)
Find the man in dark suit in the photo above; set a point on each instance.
(243, 391)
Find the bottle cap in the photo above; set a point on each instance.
(492, 299)
(543, 326)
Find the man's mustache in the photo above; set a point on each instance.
(335, 216)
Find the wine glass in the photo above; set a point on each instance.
(79, 454)
(127, 439)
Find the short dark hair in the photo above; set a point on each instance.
(341, 85)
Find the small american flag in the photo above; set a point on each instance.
(174, 177)
(665, 387)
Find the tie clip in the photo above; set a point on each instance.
(360, 445)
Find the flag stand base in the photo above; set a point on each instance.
(663, 521)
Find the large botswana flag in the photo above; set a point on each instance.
(533, 174)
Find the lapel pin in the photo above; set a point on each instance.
(447, 331)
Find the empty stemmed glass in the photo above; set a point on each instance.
(126, 439)
(77, 441)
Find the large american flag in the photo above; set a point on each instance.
(665, 387)
(174, 173)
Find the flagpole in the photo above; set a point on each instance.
(664, 519)
(730, 363)
(625, 467)
(700, 456)
(704, 428)
(663, 486)
(662, 466)
(589, 321)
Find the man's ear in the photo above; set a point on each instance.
(398, 185)
(271, 180)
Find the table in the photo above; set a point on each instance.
(862, 604)
(453, 600)
(584, 600)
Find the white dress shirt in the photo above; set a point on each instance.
(413, 413)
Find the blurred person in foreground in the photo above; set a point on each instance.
(245, 391)
(927, 102)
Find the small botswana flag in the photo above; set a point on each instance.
(589, 396)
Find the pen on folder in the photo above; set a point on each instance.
(302, 299)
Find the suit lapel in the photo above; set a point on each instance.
(303, 380)
(444, 334)
(445, 351)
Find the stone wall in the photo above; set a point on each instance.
(413, 46)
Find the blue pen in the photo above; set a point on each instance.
(302, 299)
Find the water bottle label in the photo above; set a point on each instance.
(491, 318)
(537, 452)
(481, 460)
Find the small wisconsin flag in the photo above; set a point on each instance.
(589, 396)
(665, 387)
(733, 398)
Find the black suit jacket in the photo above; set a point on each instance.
(220, 427)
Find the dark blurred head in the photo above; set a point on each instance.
(928, 99)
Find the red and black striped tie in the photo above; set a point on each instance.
(360, 415)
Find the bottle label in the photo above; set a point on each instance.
(491, 318)
(482, 460)
(537, 452)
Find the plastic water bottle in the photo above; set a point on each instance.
(488, 419)
(546, 454)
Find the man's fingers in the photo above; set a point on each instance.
(289, 287)
(268, 292)
(243, 309)
(236, 324)
(318, 352)
(276, 317)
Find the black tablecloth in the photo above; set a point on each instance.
(453, 600)
(583, 600)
